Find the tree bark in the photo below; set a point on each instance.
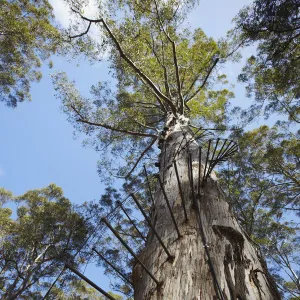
(240, 271)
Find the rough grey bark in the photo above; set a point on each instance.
(240, 270)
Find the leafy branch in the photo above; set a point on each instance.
(126, 58)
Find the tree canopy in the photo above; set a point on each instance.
(36, 243)
(27, 36)
(78, 290)
(161, 67)
(272, 75)
(160, 70)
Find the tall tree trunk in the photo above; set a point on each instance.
(236, 269)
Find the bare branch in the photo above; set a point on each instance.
(181, 106)
(106, 126)
(234, 49)
(143, 125)
(152, 48)
(167, 86)
(204, 82)
(176, 10)
(141, 156)
(116, 129)
(161, 63)
(130, 62)
(148, 103)
(83, 33)
(178, 78)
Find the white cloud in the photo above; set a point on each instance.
(63, 15)
(65, 18)
(61, 12)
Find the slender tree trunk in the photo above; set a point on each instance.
(240, 271)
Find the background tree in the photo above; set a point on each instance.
(262, 184)
(35, 244)
(78, 290)
(27, 36)
(272, 75)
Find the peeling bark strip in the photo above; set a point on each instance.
(239, 269)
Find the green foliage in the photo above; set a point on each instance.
(165, 72)
(263, 185)
(34, 245)
(27, 36)
(273, 74)
(4, 196)
(79, 290)
(161, 69)
(264, 173)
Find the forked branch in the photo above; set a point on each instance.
(204, 82)
(181, 106)
(128, 60)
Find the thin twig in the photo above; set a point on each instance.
(181, 106)
(129, 61)
(204, 82)
(141, 156)
(106, 126)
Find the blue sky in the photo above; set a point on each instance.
(37, 143)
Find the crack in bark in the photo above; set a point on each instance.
(254, 278)
(188, 276)
(230, 233)
(235, 259)
(269, 279)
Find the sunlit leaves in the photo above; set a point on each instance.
(158, 64)
(210, 107)
(38, 240)
(273, 74)
(263, 185)
(27, 36)
(79, 290)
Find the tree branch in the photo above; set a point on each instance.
(204, 82)
(148, 103)
(141, 156)
(143, 125)
(106, 126)
(83, 33)
(116, 129)
(291, 114)
(129, 61)
(181, 106)
(161, 63)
